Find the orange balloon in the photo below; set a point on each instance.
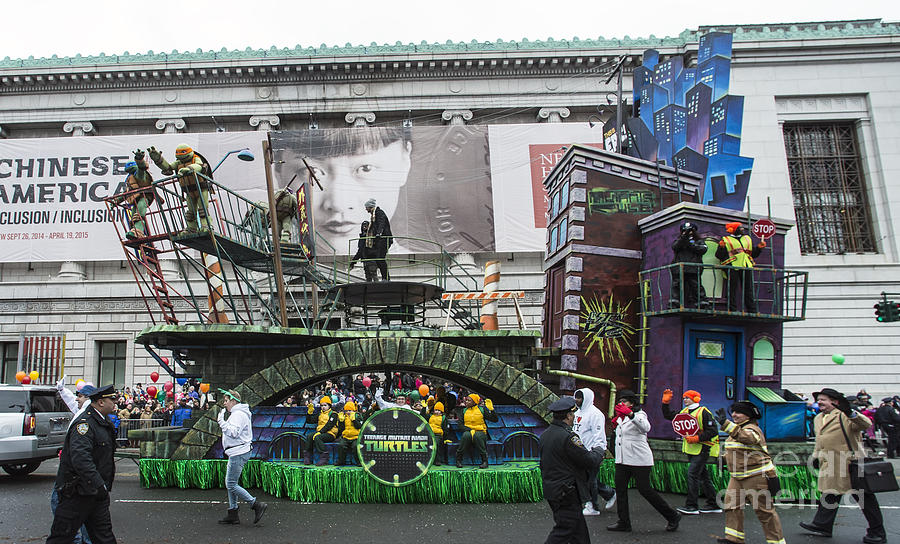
(204, 388)
(423, 390)
(20, 375)
(34, 375)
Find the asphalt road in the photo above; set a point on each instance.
(189, 516)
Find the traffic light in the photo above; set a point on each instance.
(887, 311)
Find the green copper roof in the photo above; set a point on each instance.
(788, 31)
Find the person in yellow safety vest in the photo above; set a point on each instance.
(349, 423)
(736, 250)
(753, 475)
(474, 428)
(326, 421)
(440, 426)
(699, 448)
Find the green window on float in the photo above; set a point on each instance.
(763, 358)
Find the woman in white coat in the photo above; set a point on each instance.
(635, 460)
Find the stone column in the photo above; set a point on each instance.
(264, 123)
(553, 115)
(79, 128)
(170, 126)
(457, 117)
(71, 271)
(360, 119)
(465, 262)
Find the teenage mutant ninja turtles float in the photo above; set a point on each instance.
(140, 194)
(285, 213)
(188, 163)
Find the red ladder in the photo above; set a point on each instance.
(150, 258)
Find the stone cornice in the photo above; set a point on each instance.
(515, 59)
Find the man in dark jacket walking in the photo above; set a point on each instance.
(380, 236)
(565, 463)
(86, 472)
(888, 420)
(366, 254)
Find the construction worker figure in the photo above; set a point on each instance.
(195, 188)
(699, 448)
(688, 248)
(736, 249)
(349, 423)
(140, 195)
(752, 475)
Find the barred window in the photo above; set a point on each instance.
(828, 187)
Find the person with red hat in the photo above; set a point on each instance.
(736, 250)
(752, 472)
(699, 448)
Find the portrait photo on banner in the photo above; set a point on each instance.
(433, 183)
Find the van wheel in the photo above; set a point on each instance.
(21, 469)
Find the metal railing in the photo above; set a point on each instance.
(693, 288)
(129, 424)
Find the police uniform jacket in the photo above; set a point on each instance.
(565, 462)
(86, 463)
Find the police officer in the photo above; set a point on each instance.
(86, 471)
(565, 463)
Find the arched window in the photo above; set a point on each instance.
(763, 358)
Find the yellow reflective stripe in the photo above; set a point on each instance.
(732, 445)
(765, 468)
(734, 532)
(775, 541)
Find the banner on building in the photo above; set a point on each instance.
(469, 188)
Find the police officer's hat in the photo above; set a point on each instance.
(562, 405)
(107, 391)
(87, 390)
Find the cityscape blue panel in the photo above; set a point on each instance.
(686, 118)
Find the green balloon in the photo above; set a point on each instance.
(837, 359)
(415, 396)
(334, 399)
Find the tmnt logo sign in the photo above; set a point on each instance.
(396, 447)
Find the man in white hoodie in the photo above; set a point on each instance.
(590, 424)
(237, 437)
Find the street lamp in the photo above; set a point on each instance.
(243, 154)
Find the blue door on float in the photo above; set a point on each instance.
(714, 368)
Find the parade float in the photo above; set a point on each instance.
(278, 313)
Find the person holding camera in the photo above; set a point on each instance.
(752, 474)
(838, 440)
(688, 248)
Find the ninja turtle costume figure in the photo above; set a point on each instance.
(140, 195)
(196, 188)
(285, 212)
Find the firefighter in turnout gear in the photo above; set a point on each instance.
(326, 421)
(736, 250)
(752, 475)
(473, 421)
(86, 472)
(196, 189)
(349, 423)
(699, 449)
(141, 195)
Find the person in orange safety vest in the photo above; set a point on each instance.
(736, 250)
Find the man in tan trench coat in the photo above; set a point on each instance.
(832, 456)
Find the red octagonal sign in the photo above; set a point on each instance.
(685, 425)
(763, 229)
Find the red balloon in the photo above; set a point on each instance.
(367, 381)
(151, 390)
(168, 386)
(26, 380)
(154, 376)
(169, 394)
(165, 361)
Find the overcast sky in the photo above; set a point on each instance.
(66, 27)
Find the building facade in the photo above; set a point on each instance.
(820, 121)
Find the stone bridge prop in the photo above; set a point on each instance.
(474, 370)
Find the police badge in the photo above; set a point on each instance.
(82, 428)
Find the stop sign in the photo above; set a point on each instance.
(763, 229)
(685, 425)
